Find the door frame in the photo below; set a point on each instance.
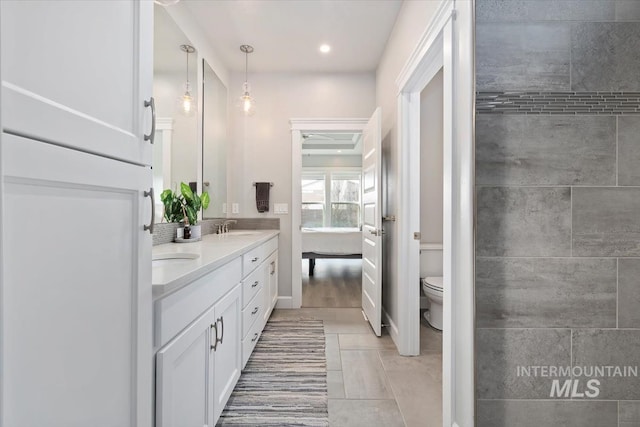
(298, 126)
(447, 43)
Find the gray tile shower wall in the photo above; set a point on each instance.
(557, 213)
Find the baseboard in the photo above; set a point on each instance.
(393, 328)
(284, 302)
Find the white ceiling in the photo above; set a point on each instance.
(332, 144)
(167, 56)
(286, 34)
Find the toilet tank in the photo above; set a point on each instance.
(430, 259)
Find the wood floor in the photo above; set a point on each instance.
(336, 283)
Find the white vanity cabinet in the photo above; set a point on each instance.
(206, 329)
(75, 260)
(258, 266)
(197, 370)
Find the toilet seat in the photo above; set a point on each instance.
(433, 283)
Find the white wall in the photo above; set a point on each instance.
(431, 177)
(412, 21)
(260, 145)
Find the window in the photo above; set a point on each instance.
(342, 206)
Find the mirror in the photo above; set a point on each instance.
(175, 152)
(214, 142)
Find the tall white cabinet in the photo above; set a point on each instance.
(75, 257)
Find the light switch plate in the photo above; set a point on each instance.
(281, 208)
(235, 208)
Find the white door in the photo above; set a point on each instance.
(184, 377)
(78, 73)
(76, 289)
(227, 353)
(372, 221)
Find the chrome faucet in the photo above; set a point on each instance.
(225, 224)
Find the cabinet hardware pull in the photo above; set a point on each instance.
(254, 259)
(215, 340)
(153, 210)
(273, 268)
(152, 136)
(255, 337)
(255, 310)
(255, 284)
(221, 320)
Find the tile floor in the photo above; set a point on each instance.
(369, 383)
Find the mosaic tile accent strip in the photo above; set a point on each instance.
(598, 103)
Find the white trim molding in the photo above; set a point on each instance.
(299, 125)
(447, 44)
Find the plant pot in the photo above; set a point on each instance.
(196, 231)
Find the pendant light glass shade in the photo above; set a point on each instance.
(186, 103)
(247, 103)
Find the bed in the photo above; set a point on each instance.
(330, 243)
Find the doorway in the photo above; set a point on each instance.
(318, 182)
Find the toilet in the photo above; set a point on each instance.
(431, 282)
(433, 289)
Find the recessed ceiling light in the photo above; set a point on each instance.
(339, 151)
(325, 48)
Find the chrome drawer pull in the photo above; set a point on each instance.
(152, 136)
(221, 320)
(255, 284)
(254, 259)
(255, 310)
(215, 340)
(255, 337)
(153, 210)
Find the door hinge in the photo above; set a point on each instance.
(417, 235)
(391, 218)
(377, 233)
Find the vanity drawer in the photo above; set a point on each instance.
(249, 342)
(256, 256)
(252, 284)
(252, 311)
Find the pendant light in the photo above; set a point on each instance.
(186, 103)
(247, 103)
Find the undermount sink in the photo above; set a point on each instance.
(243, 233)
(173, 258)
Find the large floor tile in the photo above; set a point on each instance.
(430, 338)
(364, 376)
(332, 351)
(335, 385)
(346, 327)
(430, 363)
(419, 397)
(365, 341)
(364, 413)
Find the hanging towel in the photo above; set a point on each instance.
(262, 196)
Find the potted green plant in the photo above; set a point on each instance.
(191, 205)
(173, 203)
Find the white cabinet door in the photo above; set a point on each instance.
(271, 286)
(183, 377)
(78, 73)
(227, 354)
(76, 288)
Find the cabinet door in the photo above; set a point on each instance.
(77, 73)
(227, 355)
(76, 289)
(183, 376)
(271, 286)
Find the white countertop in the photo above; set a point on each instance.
(214, 251)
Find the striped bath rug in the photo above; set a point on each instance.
(285, 380)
